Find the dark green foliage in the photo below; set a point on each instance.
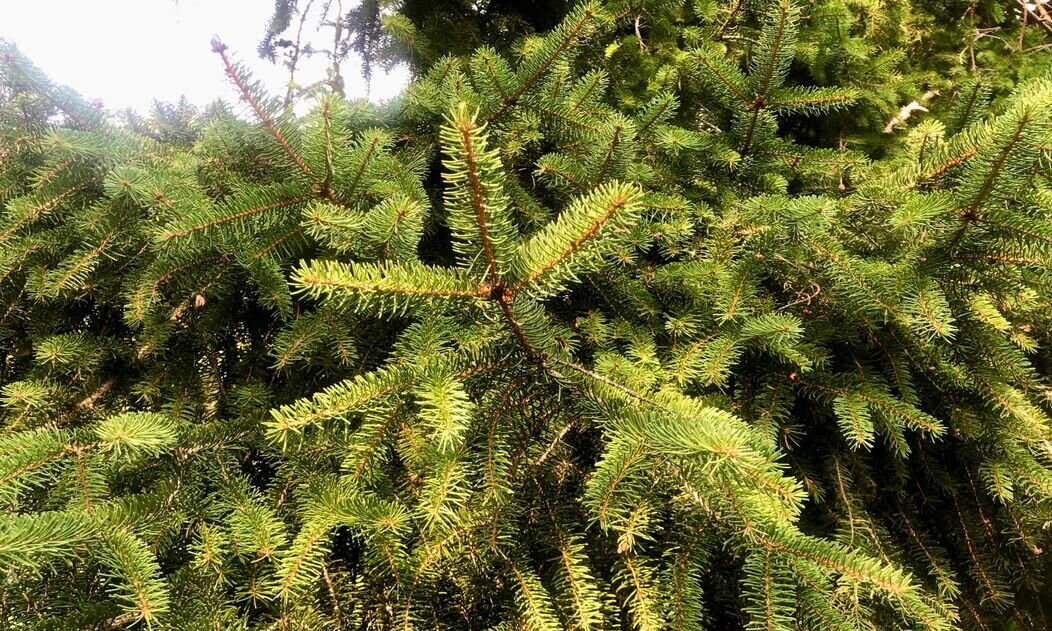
(643, 323)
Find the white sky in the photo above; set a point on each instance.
(129, 52)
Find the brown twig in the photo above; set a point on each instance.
(1038, 14)
(730, 18)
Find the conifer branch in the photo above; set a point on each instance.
(466, 127)
(770, 67)
(33, 465)
(957, 160)
(88, 402)
(976, 89)
(300, 563)
(750, 130)
(550, 249)
(326, 120)
(995, 170)
(487, 59)
(971, 214)
(371, 149)
(666, 105)
(505, 300)
(625, 466)
(276, 243)
(809, 100)
(759, 100)
(945, 577)
(73, 271)
(987, 584)
(171, 272)
(611, 148)
(917, 419)
(720, 74)
(552, 167)
(594, 81)
(568, 37)
(240, 215)
(51, 174)
(42, 85)
(477, 203)
(332, 278)
(565, 117)
(220, 48)
(29, 540)
(36, 211)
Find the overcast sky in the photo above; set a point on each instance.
(129, 52)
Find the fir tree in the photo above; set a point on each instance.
(588, 336)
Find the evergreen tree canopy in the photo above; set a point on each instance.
(643, 322)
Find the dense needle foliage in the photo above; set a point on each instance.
(644, 322)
